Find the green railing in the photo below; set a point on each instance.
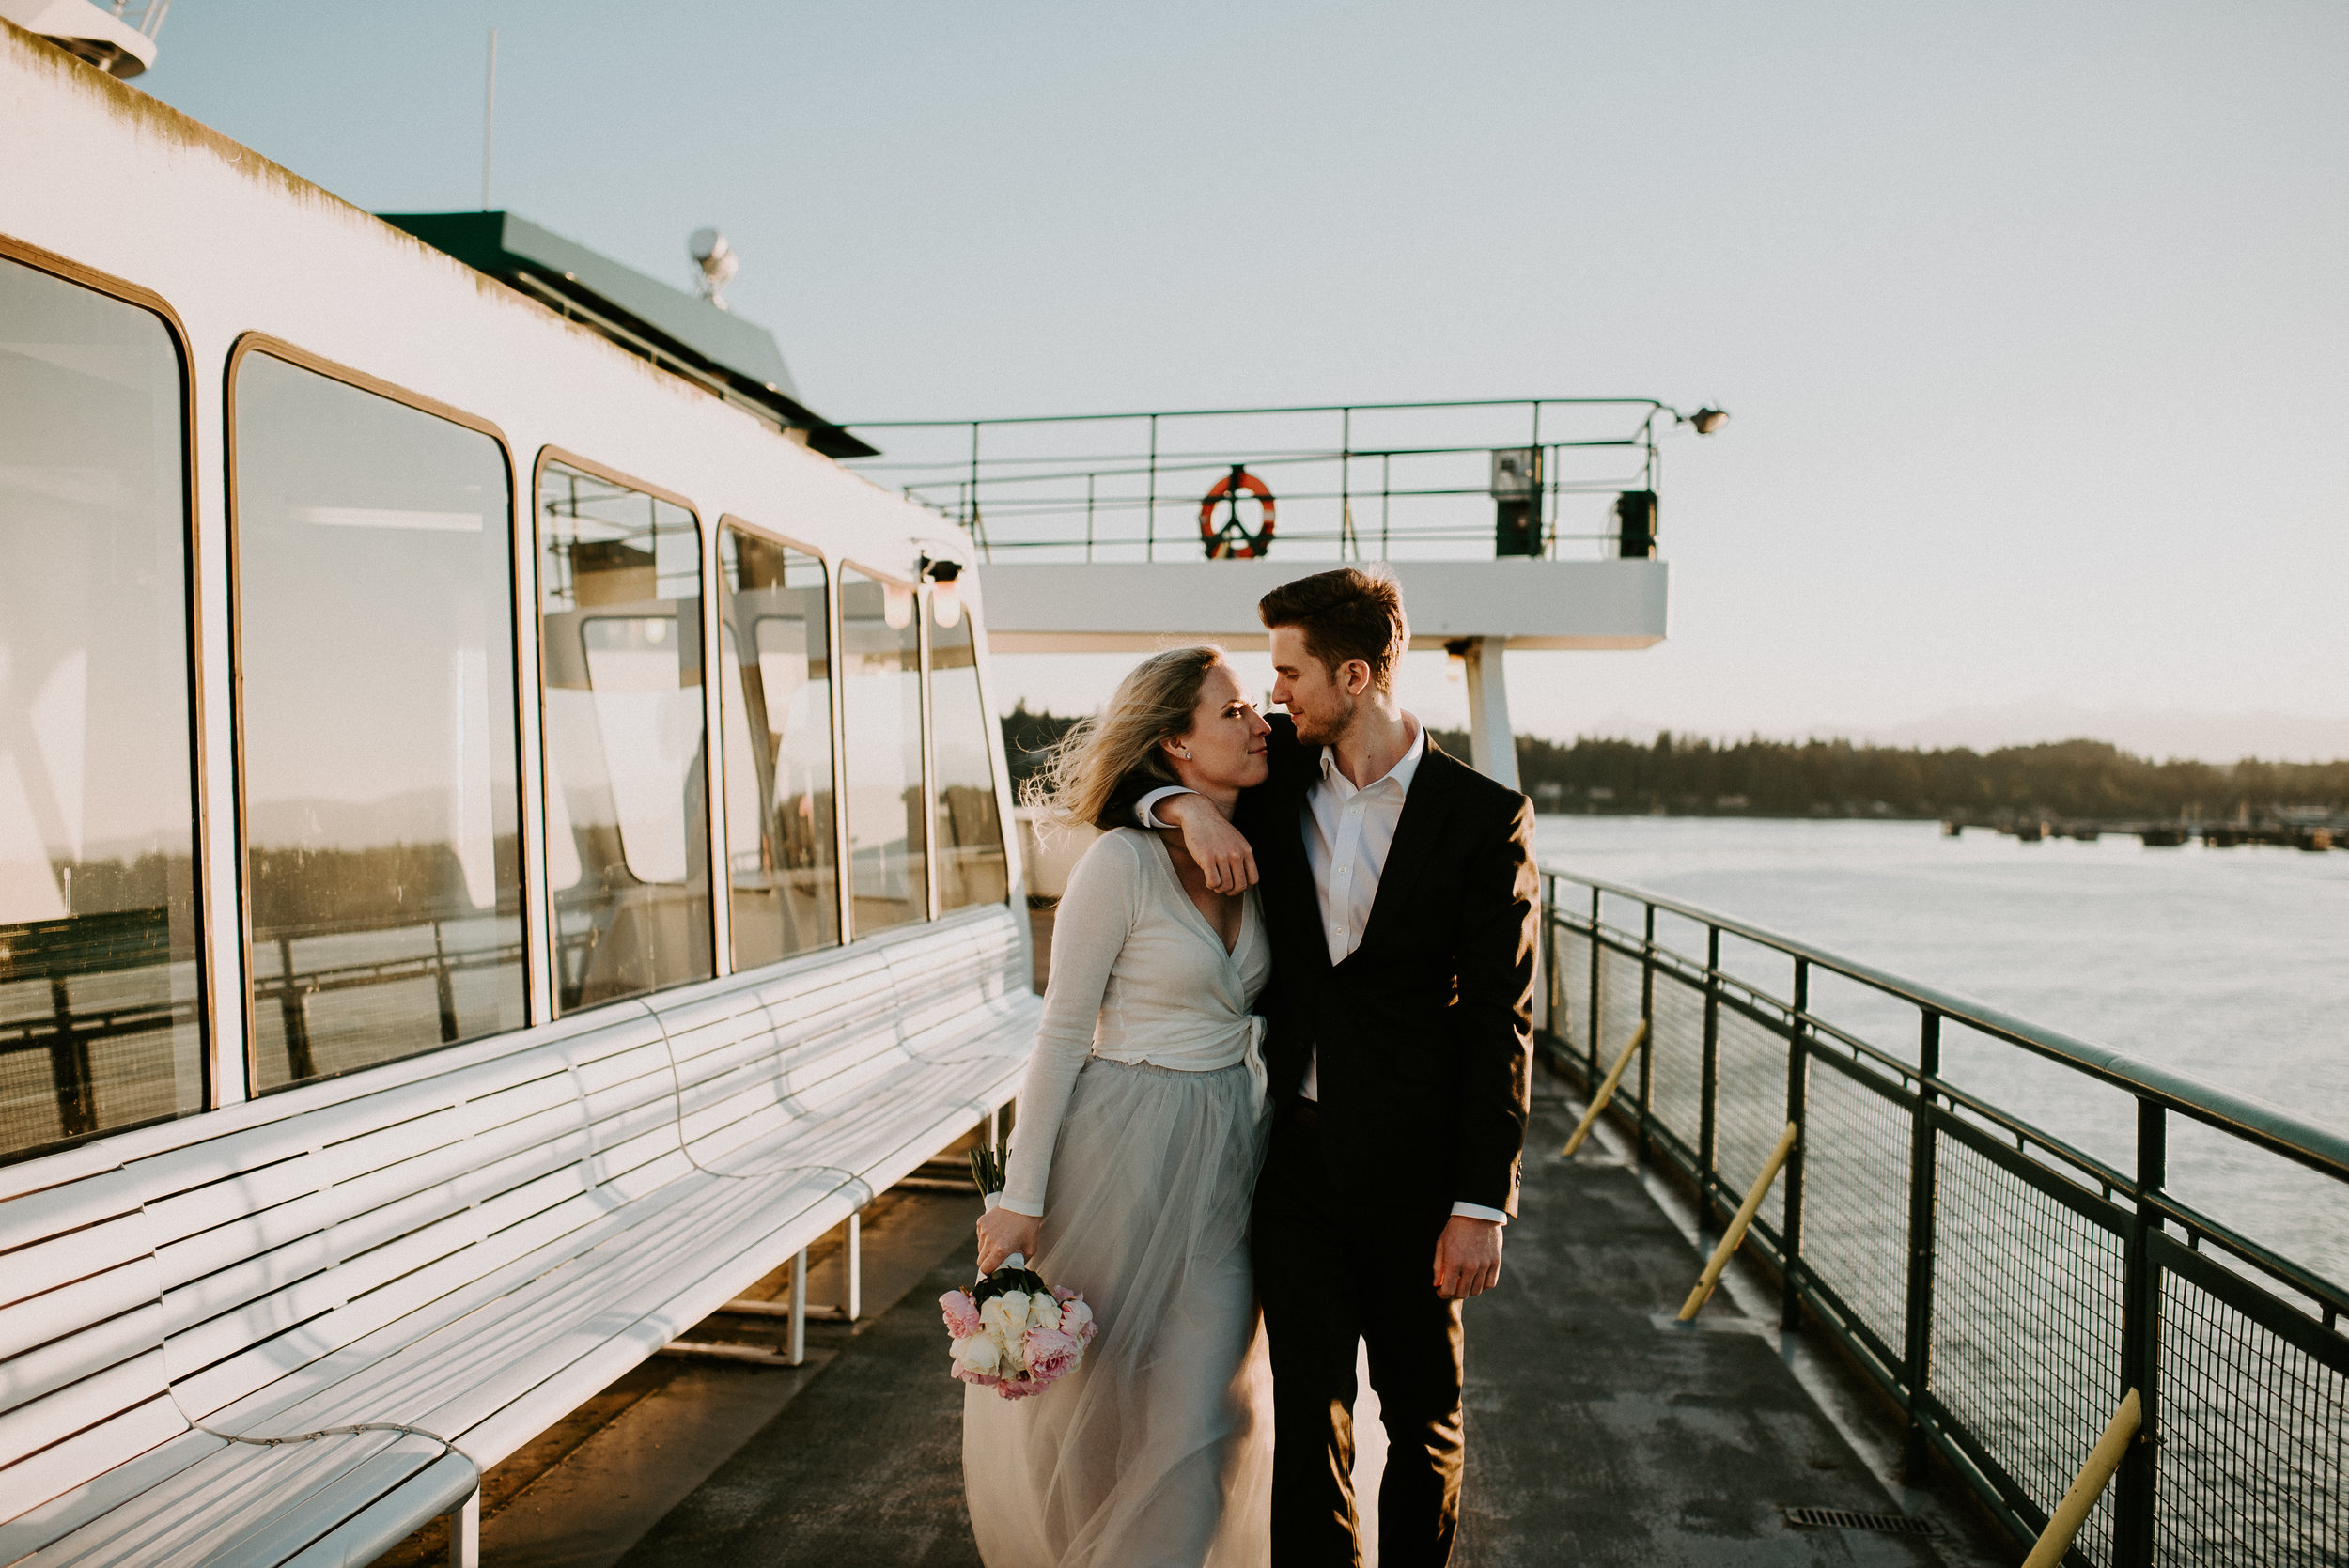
(2004, 1286)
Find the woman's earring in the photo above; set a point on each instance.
(1185, 754)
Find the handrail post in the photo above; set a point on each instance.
(1709, 1075)
(1590, 1041)
(1797, 1086)
(1923, 1170)
(1150, 526)
(1549, 962)
(1647, 1033)
(2141, 1343)
(1345, 486)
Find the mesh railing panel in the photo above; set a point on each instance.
(2026, 1328)
(1855, 1198)
(1573, 1025)
(1618, 1014)
(1676, 1051)
(2250, 1397)
(1751, 1111)
(2254, 1454)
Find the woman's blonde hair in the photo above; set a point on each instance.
(1155, 702)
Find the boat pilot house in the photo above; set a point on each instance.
(502, 838)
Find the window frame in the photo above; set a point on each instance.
(930, 831)
(991, 736)
(713, 821)
(294, 354)
(837, 733)
(212, 1092)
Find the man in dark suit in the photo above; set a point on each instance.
(1398, 887)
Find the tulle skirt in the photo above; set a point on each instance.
(1157, 1453)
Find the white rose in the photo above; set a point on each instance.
(1007, 1313)
(1043, 1312)
(980, 1354)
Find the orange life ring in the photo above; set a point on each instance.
(1232, 541)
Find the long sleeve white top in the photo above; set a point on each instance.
(1138, 975)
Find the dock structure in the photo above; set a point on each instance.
(1511, 524)
(2311, 832)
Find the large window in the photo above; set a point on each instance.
(775, 660)
(99, 1017)
(880, 711)
(971, 864)
(620, 664)
(374, 607)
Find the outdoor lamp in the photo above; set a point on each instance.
(1707, 420)
(943, 576)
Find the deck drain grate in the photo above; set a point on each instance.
(1845, 1519)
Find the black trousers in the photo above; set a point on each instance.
(1331, 1274)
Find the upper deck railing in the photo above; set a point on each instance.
(2005, 1282)
(1534, 476)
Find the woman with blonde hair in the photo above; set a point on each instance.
(1142, 1125)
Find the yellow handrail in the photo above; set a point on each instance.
(1606, 1091)
(1736, 1231)
(2087, 1487)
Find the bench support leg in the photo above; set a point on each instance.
(856, 1266)
(797, 1352)
(464, 1533)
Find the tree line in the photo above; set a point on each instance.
(1692, 774)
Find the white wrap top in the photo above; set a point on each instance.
(1138, 975)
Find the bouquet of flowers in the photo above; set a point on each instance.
(1012, 1333)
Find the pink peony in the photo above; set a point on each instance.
(963, 1313)
(1051, 1353)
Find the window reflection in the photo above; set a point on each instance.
(783, 883)
(99, 1022)
(620, 668)
(375, 645)
(880, 711)
(971, 864)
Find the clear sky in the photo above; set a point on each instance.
(2032, 319)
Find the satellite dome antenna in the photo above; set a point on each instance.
(716, 263)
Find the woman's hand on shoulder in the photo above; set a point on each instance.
(1003, 1232)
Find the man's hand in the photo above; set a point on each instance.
(1467, 1257)
(1001, 1233)
(1221, 850)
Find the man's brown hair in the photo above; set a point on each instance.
(1348, 613)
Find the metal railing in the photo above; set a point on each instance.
(1348, 481)
(2004, 1286)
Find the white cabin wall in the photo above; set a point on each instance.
(109, 178)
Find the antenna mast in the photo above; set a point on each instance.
(490, 121)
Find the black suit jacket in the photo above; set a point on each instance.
(1425, 1030)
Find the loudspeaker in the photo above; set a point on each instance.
(1635, 518)
(1517, 527)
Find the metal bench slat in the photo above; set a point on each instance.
(360, 1482)
(87, 1301)
(64, 1465)
(71, 1357)
(186, 1513)
(110, 1500)
(43, 1266)
(362, 1538)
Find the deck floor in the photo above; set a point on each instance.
(1598, 1431)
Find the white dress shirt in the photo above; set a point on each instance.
(1347, 834)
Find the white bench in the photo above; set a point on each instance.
(451, 1253)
